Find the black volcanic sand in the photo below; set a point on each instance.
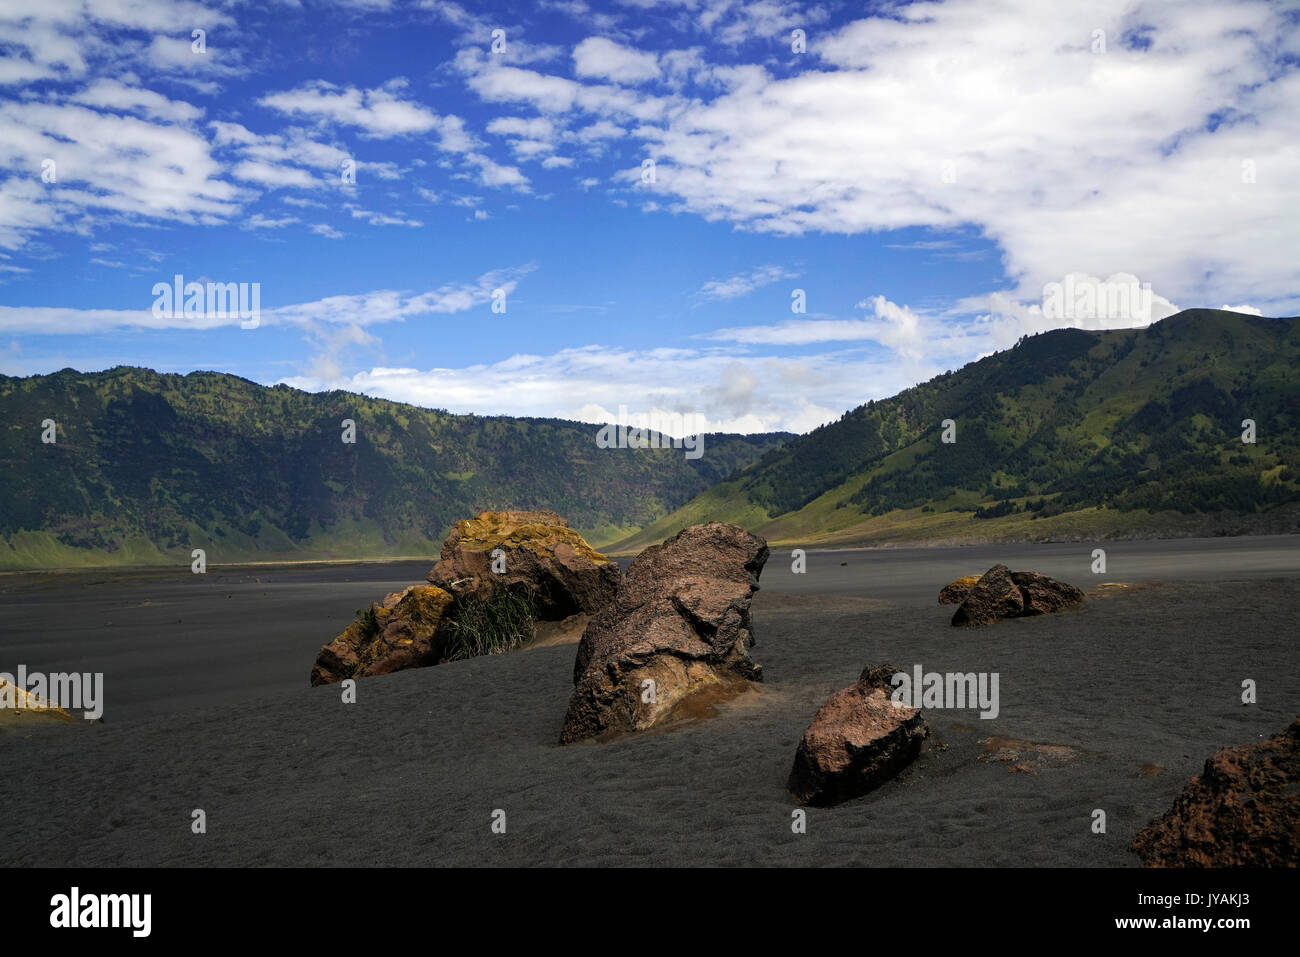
(1114, 706)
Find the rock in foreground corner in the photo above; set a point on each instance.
(1243, 811)
(857, 741)
(679, 625)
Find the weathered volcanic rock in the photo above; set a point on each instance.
(857, 741)
(405, 631)
(955, 593)
(1001, 593)
(545, 560)
(680, 619)
(1043, 595)
(992, 598)
(1243, 811)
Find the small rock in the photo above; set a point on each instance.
(1001, 593)
(856, 742)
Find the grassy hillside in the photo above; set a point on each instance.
(148, 466)
(1068, 435)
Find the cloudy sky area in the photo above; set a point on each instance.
(919, 171)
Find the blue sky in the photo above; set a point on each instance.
(922, 172)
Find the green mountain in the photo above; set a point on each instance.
(1068, 435)
(146, 467)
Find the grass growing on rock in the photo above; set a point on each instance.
(369, 620)
(502, 623)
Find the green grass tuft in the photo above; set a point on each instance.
(502, 623)
(368, 619)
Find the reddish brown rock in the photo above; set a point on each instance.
(857, 741)
(680, 619)
(1243, 811)
(544, 559)
(406, 631)
(1001, 593)
(955, 593)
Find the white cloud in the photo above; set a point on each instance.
(177, 54)
(377, 113)
(603, 58)
(116, 165)
(537, 127)
(796, 332)
(259, 221)
(733, 394)
(452, 13)
(272, 175)
(61, 38)
(365, 309)
(1118, 302)
(112, 94)
(550, 94)
(997, 116)
(741, 285)
(379, 219)
(492, 173)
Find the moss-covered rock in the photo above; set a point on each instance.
(955, 593)
(534, 554)
(407, 630)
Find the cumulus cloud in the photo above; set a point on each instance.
(591, 383)
(377, 113)
(1169, 155)
(603, 58)
(113, 94)
(126, 166)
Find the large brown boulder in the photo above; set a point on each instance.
(408, 630)
(1001, 593)
(1243, 811)
(545, 561)
(680, 619)
(857, 741)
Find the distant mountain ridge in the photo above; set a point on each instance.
(147, 466)
(1068, 435)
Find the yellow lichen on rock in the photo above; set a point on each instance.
(18, 704)
(536, 532)
(956, 592)
(402, 632)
